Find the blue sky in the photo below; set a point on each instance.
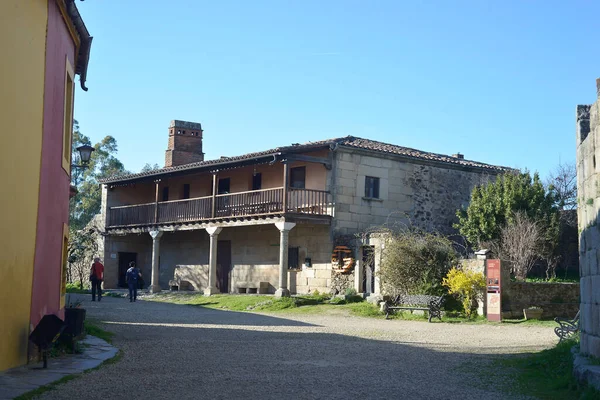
(496, 81)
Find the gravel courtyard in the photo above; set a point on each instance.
(187, 352)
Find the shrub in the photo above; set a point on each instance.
(415, 262)
(466, 284)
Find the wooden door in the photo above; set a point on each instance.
(368, 277)
(223, 265)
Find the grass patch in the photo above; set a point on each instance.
(91, 328)
(547, 374)
(75, 288)
(364, 309)
(42, 389)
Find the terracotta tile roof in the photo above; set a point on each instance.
(348, 141)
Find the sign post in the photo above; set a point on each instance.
(494, 291)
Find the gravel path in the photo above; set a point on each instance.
(185, 352)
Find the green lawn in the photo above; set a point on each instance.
(545, 375)
(312, 304)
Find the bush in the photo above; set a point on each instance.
(415, 262)
(466, 284)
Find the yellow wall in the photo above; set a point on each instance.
(23, 45)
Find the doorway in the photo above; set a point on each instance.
(223, 265)
(124, 260)
(368, 276)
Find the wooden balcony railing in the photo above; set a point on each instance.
(242, 204)
(184, 210)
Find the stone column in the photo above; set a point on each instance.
(358, 267)
(213, 232)
(156, 235)
(379, 247)
(284, 229)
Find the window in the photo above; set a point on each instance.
(68, 117)
(371, 187)
(165, 194)
(293, 257)
(186, 190)
(298, 177)
(257, 181)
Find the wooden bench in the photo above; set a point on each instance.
(431, 304)
(252, 287)
(566, 327)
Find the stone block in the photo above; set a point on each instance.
(583, 343)
(348, 225)
(347, 165)
(317, 282)
(595, 323)
(346, 157)
(371, 161)
(323, 273)
(308, 273)
(365, 170)
(593, 346)
(343, 216)
(347, 182)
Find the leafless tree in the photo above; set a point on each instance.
(83, 247)
(564, 181)
(521, 244)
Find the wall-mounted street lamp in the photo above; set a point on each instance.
(85, 153)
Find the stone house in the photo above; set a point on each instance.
(278, 221)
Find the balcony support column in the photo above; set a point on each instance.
(284, 231)
(213, 232)
(156, 235)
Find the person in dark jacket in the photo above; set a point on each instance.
(132, 276)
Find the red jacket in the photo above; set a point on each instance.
(98, 270)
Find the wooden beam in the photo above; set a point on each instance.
(319, 160)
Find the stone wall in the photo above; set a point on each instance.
(427, 194)
(588, 192)
(556, 299)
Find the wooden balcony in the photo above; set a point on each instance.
(225, 206)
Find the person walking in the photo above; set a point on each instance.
(96, 277)
(132, 276)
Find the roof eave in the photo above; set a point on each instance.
(83, 56)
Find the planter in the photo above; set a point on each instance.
(533, 313)
(74, 318)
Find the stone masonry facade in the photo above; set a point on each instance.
(424, 194)
(588, 192)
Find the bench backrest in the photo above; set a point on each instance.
(417, 299)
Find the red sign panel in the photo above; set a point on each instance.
(494, 290)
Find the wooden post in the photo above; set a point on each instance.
(157, 182)
(214, 194)
(285, 185)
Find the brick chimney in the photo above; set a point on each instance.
(459, 156)
(185, 143)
